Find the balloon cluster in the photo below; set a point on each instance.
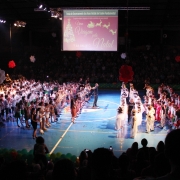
(27, 156)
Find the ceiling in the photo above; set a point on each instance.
(163, 14)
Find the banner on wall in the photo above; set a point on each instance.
(90, 30)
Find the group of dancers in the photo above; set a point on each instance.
(41, 103)
(162, 107)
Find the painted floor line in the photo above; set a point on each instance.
(60, 139)
(92, 120)
(114, 132)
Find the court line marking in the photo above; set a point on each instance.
(90, 120)
(114, 132)
(60, 139)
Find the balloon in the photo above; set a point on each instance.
(73, 158)
(31, 151)
(11, 64)
(52, 156)
(177, 58)
(126, 73)
(32, 59)
(63, 156)
(53, 34)
(24, 151)
(58, 155)
(123, 55)
(68, 155)
(78, 54)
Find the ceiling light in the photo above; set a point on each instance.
(40, 6)
(2, 21)
(56, 14)
(20, 24)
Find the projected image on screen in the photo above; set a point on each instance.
(90, 30)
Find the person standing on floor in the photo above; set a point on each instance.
(162, 116)
(134, 124)
(95, 88)
(130, 107)
(40, 151)
(34, 122)
(73, 109)
(150, 119)
(120, 122)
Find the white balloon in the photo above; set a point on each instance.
(32, 58)
(53, 34)
(123, 55)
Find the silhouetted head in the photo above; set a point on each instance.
(160, 146)
(144, 142)
(134, 146)
(101, 163)
(40, 140)
(172, 147)
(64, 170)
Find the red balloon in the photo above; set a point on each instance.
(78, 54)
(126, 73)
(11, 64)
(177, 58)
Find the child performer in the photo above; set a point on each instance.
(120, 121)
(134, 124)
(34, 122)
(73, 109)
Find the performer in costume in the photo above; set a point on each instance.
(95, 88)
(124, 91)
(139, 111)
(157, 106)
(34, 122)
(153, 118)
(120, 120)
(162, 116)
(134, 124)
(124, 106)
(150, 119)
(130, 107)
(73, 109)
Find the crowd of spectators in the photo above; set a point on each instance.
(101, 164)
(154, 64)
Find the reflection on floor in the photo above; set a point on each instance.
(92, 129)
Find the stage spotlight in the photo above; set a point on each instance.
(56, 14)
(2, 21)
(20, 24)
(40, 6)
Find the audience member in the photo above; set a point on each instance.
(160, 147)
(123, 171)
(102, 164)
(172, 149)
(145, 149)
(64, 170)
(40, 151)
(132, 152)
